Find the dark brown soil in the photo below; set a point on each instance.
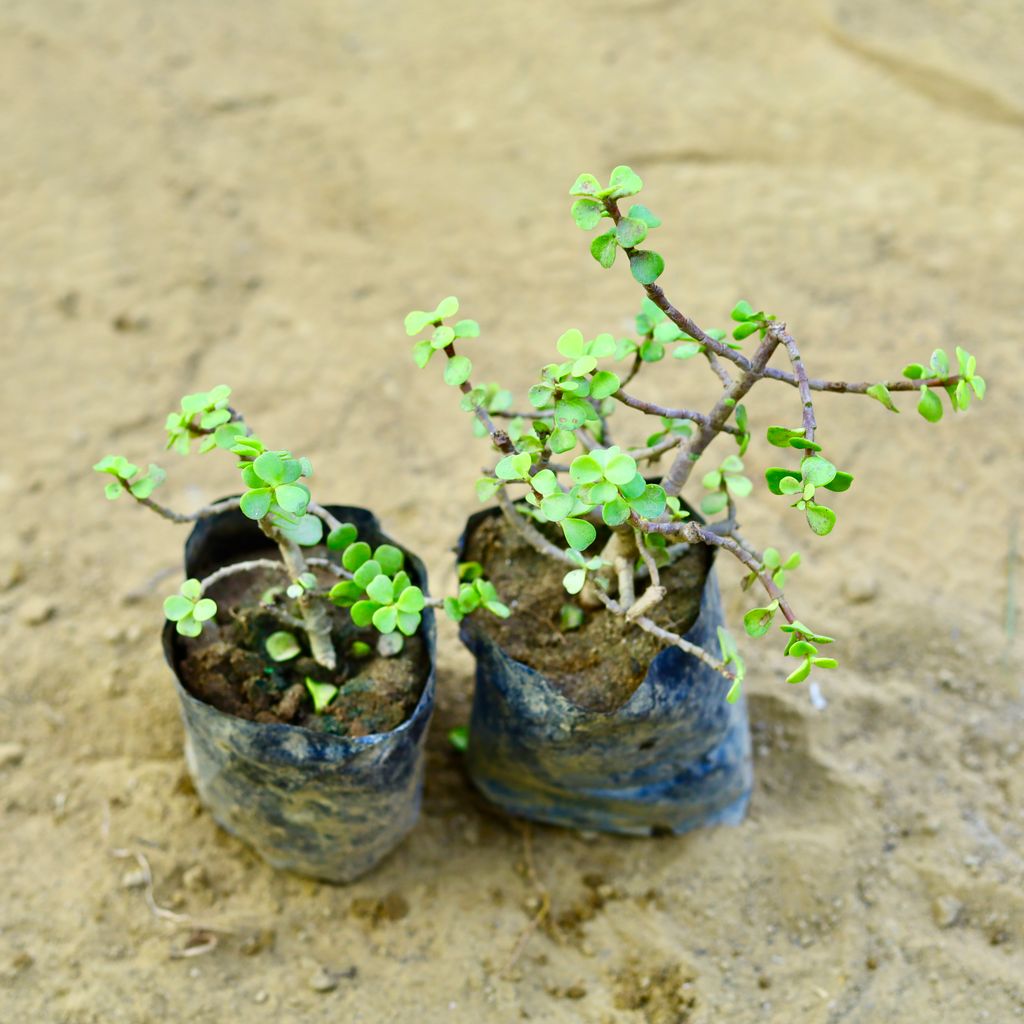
(228, 667)
(599, 664)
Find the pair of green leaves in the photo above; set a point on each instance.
(188, 609)
(122, 470)
(749, 321)
(473, 594)
(727, 480)
(211, 409)
(815, 472)
(960, 392)
(802, 644)
(458, 368)
(732, 660)
(773, 564)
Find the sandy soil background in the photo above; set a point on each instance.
(256, 193)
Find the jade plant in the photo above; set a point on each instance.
(557, 463)
(372, 583)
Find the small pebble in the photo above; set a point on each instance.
(135, 879)
(11, 575)
(946, 911)
(860, 587)
(11, 754)
(35, 610)
(323, 980)
(260, 997)
(194, 878)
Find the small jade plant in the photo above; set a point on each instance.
(372, 583)
(560, 456)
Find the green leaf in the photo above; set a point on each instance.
(345, 593)
(205, 608)
(621, 469)
(914, 371)
(416, 321)
(817, 471)
(646, 265)
(366, 573)
(421, 352)
(599, 493)
(571, 413)
(572, 344)
(744, 330)
(603, 384)
(774, 475)
(820, 519)
(742, 311)
(292, 498)
(940, 363)
(341, 536)
(380, 589)
(652, 351)
(561, 441)
(514, 467)
(255, 504)
(356, 555)
(578, 533)
(978, 386)
(840, 482)
(411, 600)
(758, 621)
(442, 337)
(825, 662)
(457, 370)
(113, 490)
(322, 694)
(408, 622)
(177, 607)
(929, 407)
(604, 247)
(585, 469)
(282, 646)
(651, 503)
(467, 329)
(545, 482)
(713, 503)
(269, 467)
(790, 485)
(781, 436)
(362, 613)
(640, 212)
(574, 580)
(188, 626)
(557, 506)
(385, 619)
(630, 232)
(880, 393)
(732, 464)
(587, 213)
(570, 617)
(799, 674)
(615, 512)
(585, 185)
(390, 558)
(446, 308)
(624, 182)
(805, 445)
(486, 488)
(739, 486)
(149, 483)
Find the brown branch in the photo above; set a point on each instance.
(499, 437)
(660, 410)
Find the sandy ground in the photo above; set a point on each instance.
(256, 193)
